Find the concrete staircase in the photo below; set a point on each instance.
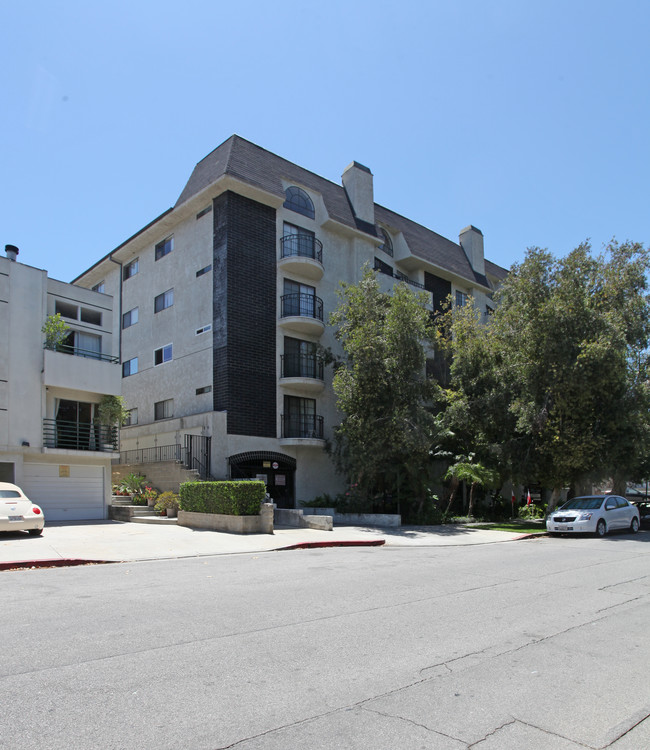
(121, 509)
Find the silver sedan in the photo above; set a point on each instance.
(594, 514)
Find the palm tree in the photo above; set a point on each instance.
(474, 474)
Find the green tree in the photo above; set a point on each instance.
(55, 330)
(556, 387)
(384, 440)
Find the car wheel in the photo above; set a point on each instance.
(35, 532)
(601, 528)
(634, 526)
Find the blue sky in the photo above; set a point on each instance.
(526, 118)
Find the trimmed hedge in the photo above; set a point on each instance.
(228, 498)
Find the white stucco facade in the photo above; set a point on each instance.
(38, 387)
(176, 340)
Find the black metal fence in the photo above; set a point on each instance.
(307, 305)
(305, 426)
(301, 366)
(303, 245)
(80, 436)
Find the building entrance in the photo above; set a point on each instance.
(276, 470)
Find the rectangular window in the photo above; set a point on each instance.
(164, 354)
(132, 417)
(90, 316)
(300, 419)
(164, 248)
(163, 409)
(205, 211)
(205, 389)
(66, 310)
(99, 287)
(201, 271)
(204, 329)
(130, 367)
(461, 299)
(383, 267)
(130, 269)
(130, 318)
(164, 300)
(298, 299)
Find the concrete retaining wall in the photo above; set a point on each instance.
(382, 520)
(260, 524)
(295, 517)
(163, 475)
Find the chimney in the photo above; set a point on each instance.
(11, 251)
(357, 181)
(471, 240)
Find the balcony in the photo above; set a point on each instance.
(302, 313)
(82, 370)
(302, 430)
(302, 254)
(79, 436)
(302, 372)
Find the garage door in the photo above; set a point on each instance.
(78, 497)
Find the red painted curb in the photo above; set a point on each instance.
(312, 545)
(56, 562)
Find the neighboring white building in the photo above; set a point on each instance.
(223, 297)
(50, 442)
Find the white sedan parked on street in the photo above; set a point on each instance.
(18, 512)
(595, 514)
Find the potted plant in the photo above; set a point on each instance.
(132, 484)
(149, 495)
(168, 503)
(111, 413)
(55, 330)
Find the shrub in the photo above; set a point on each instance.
(532, 511)
(320, 501)
(132, 484)
(227, 498)
(167, 500)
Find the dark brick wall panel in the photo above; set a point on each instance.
(244, 311)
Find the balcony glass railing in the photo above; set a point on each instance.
(301, 366)
(306, 426)
(79, 436)
(304, 305)
(77, 352)
(303, 245)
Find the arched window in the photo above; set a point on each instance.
(387, 245)
(298, 200)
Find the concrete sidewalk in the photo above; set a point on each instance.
(114, 541)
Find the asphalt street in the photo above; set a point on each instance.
(540, 643)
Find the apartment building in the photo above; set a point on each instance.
(223, 298)
(51, 441)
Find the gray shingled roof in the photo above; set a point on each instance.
(256, 166)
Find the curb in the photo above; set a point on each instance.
(56, 562)
(347, 543)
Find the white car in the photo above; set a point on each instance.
(594, 514)
(18, 512)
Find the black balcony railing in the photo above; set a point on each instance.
(174, 452)
(305, 305)
(304, 245)
(77, 352)
(301, 366)
(306, 426)
(79, 436)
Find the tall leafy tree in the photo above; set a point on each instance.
(556, 387)
(387, 430)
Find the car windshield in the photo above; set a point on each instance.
(9, 493)
(583, 503)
